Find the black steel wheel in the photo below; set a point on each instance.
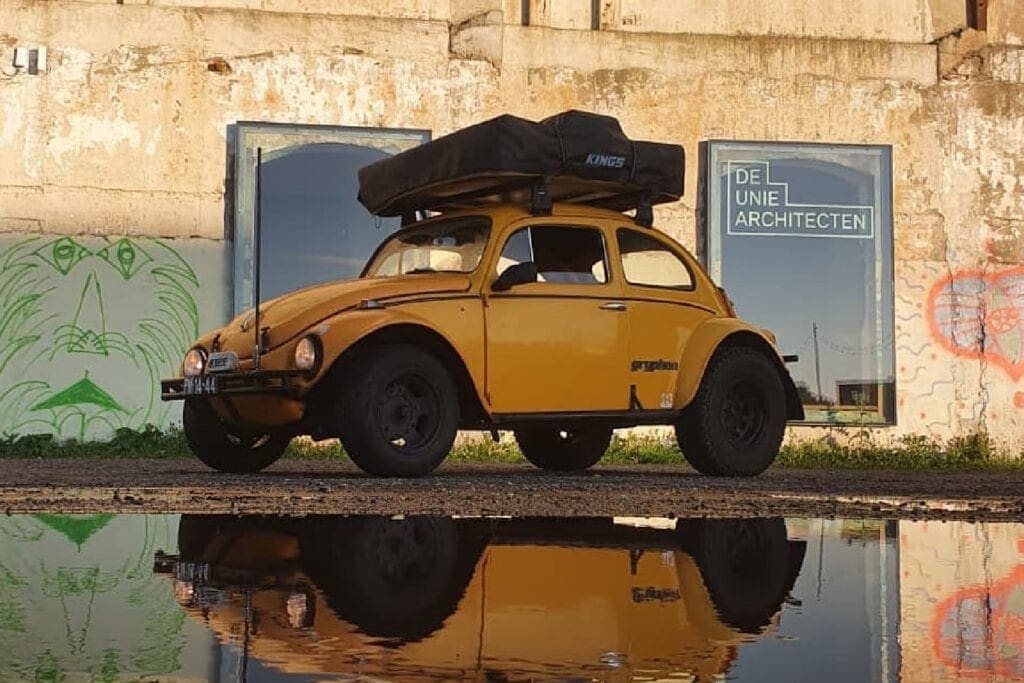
(393, 578)
(398, 411)
(550, 448)
(225, 447)
(735, 424)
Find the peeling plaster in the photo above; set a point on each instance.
(82, 133)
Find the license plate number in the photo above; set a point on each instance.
(200, 385)
(222, 361)
(192, 571)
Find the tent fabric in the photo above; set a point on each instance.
(585, 157)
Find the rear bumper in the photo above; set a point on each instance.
(234, 384)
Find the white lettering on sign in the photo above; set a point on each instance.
(757, 205)
(605, 160)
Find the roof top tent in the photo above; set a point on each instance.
(574, 157)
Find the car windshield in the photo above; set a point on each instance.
(441, 246)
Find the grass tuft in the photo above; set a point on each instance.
(148, 442)
(972, 452)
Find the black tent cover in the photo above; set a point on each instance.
(585, 157)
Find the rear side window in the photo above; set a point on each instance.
(648, 262)
(562, 254)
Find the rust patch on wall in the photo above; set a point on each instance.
(218, 65)
(1006, 243)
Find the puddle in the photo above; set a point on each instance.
(195, 598)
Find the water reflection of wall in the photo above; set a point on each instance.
(962, 601)
(78, 598)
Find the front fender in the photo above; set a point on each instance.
(453, 328)
(340, 332)
(701, 347)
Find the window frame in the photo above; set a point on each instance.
(668, 247)
(609, 275)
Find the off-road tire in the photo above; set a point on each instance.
(392, 578)
(735, 424)
(745, 565)
(550, 448)
(226, 448)
(375, 390)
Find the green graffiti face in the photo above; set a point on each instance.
(87, 328)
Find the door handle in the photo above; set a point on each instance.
(613, 306)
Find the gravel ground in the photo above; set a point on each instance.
(309, 487)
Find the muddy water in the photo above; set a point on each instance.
(194, 598)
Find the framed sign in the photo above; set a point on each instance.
(800, 236)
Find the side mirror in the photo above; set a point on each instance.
(519, 274)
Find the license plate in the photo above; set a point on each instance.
(199, 385)
(222, 361)
(192, 571)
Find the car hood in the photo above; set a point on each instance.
(290, 314)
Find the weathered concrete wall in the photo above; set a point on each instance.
(905, 22)
(912, 21)
(1006, 22)
(126, 131)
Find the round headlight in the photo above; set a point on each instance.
(307, 353)
(195, 361)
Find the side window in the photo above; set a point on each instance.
(562, 254)
(648, 262)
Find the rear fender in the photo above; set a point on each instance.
(717, 333)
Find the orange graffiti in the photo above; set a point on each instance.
(974, 314)
(980, 630)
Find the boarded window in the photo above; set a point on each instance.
(977, 14)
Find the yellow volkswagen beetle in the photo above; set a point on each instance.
(548, 314)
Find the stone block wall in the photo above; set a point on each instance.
(125, 133)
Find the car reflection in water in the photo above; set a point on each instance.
(420, 597)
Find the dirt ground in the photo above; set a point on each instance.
(308, 487)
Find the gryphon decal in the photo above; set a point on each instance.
(653, 365)
(87, 328)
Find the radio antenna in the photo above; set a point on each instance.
(257, 220)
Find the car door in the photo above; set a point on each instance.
(664, 309)
(559, 343)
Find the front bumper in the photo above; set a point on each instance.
(232, 384)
